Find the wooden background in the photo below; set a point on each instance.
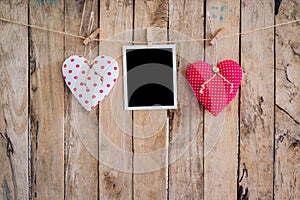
(49, 145)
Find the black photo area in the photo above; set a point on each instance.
(150, 77)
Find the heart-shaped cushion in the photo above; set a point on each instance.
(90, 81)
(217, 93)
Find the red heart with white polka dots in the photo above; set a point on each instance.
(90, 81)
(217, 93)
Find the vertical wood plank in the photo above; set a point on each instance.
(287, 138)
(221, 132)
(115, 124)
(81, 127)
(257, 98)
(150, 181)
(186, 123)
(13, 101)
(46, 100)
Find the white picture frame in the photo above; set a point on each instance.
(166, 47)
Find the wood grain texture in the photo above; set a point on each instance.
(287, 156)
(150, 126)
(221, 132)
(186, 132)
(13, 102)
(115, 124)
(7, 178)
(46, 101)
(287, 139)
(80, 126)
(257, 127)
(60, 159)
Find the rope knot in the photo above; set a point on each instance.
(216, 70)
(90, 63)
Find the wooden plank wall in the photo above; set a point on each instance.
(115, 124)
(257, 127)
(81, 150)
(287, 113)
(46, 96)
(225, 126)
(14, 156)
(186, 166)
(51, 148)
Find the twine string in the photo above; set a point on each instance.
(206, 82)
(231, 84)
(90, 29)
(215, 69)
(211, 27)
(144, 42)
(215, 46)
(90, 61)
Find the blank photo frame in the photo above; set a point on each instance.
(150, 77)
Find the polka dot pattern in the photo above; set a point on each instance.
(217, 93)
(86, 81)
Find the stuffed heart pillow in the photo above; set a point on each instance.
(90, 81)
(217, 93)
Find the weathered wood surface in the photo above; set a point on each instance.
(13, 102)
(221, 132)
(46, 101)
(257, 126)
(80, 127)
(176, 154)
(115, 124)
(287, 112)
(186, 134)
(149, 127)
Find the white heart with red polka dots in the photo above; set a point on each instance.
(90, 81)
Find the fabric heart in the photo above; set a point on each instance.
(214, 87)
(90, 81)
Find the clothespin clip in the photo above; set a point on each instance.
(217, 36)
(92, 36)
(149, 36)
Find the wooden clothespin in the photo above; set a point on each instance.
(92, 36)
(149, 36)
(217, 36)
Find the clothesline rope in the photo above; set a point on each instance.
(143, 42)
